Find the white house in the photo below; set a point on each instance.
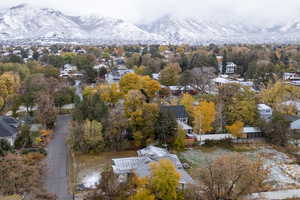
(265, 111)
(230, 68)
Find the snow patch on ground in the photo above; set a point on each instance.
(91, 180)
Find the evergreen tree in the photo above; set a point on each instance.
(24, 139)
(166, 128)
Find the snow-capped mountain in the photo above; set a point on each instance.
(25, 21)
(29, 23)
(196, 30)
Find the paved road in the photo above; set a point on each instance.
(56, 179)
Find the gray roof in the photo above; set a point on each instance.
(178, 111)
(8, 126)
(140, 164)
(295, 125)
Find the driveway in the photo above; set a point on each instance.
(56, 178)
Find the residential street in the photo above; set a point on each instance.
(56, 178)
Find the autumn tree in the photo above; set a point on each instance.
(275, 95)
(9, 85)
(110, 93)
(142, 193)
(22, 175)
(139, 70)
(92, 135)
(204, 115)
(163, 48)
(164, 180)
(170, 75)
(277, 130)
(116, 127)
(236, 129)
(232, 176)
(141, 115)
(179, 142)
(86, 137)
(47, 111)
(133, 60)
(238, 103)
(147, 86)
(91, 107)
(187, 101)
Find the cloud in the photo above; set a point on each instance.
(262, 11)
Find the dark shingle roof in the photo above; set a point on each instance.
(178, 111)
(6, 129)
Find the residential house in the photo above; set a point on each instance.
(178, 90)
(178, 111)
(140, 164)
(230, 68)
(291, 76)
(265, 111)
(252, 132)
(117, 74)
(9, 128)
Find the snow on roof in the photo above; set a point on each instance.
(184, 126)
(152, 151)
(223, 80)
(125, 165)
(140, 164)
(182, 88)
(263, 107)
(203, 138)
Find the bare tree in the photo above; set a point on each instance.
(232, 176)
(201, 78)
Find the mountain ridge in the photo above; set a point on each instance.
(25, 21)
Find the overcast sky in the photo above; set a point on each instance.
(262, 11)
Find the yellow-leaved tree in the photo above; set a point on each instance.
(276, 94)
(170, 75)
(187, 101)
(142, 194)
(9, 85)
(204, 115)
(110, 93)
(236, 129)
(164, 180)
(141, 116)
(139, 70)
(144, 84)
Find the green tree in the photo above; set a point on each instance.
(166, 128)
(24, 138)
(170, 75)
(91, 107)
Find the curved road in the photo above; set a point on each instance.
(56, 178)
